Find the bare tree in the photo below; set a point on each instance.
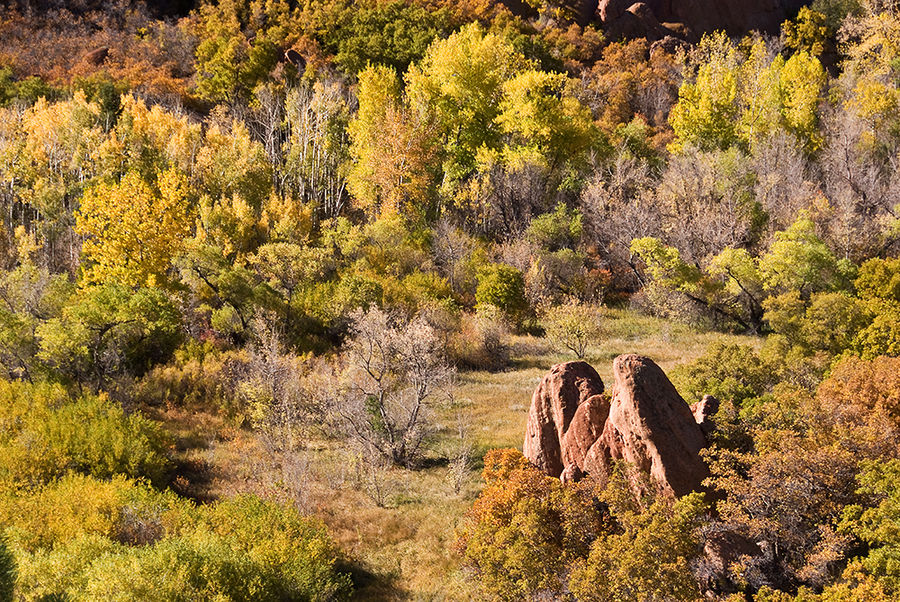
(451, 247)
(394, 371)
(317, 145)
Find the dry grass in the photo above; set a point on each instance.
(404, 550)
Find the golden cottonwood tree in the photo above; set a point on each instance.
(133, 228)
(393, 148)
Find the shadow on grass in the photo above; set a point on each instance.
(369, 585)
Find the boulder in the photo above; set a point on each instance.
(669, 44)
(610, 10)
(638, 21)
(645, 423)
(553, 406)
(96, 57)
(295, 58)
(652, 427)
(736, 17)
(703, 412)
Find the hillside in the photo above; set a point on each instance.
(450, 300)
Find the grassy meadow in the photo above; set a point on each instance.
(397, 527)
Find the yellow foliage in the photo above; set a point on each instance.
(133, 229)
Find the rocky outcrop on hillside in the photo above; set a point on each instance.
(574, 429)
(655, 19)
(562, 392)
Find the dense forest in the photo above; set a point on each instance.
(277, 279)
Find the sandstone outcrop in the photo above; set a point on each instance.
(573, 429)
(688, 18)
(96, 57)
(703, 412)
(553, 407)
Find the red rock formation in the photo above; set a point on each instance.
(573, 429)
(96, 57)
(736, 17)
(703, 412)
(553, 406)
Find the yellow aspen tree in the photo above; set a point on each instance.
(133, 228)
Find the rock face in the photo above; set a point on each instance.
(96, 57)
(736, 17)
(703, 412)
(573, 429)
(553, 407)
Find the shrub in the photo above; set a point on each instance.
(559, 229)
(395, 372)
(572, 326)
(84, 539)
(503, 287)
(526, 528)
(648, 559)
(7, 570)
(119, 509)
(729, 372)
(45, 435)
(481, 342)
(199, 376)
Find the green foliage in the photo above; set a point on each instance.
(572, 326)
(809, 32)
(108, 330)
(740, 286)
(27, 90)
(7, 570)
(84, 539)
(503, 286)
(728, 372)
(706, 112)
(546, 123)
(740, 100)
(30, 294)
(648, 558)
(239, 45)
(390, 33)
(45, 435)
(106, 93)
(460, 81)
(879, 524)
(559, 229)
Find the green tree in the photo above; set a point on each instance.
(706, 114)
(572, 326)
(460, 81)
(799, 260)
(109, 330)
(239, 44)
(649, 559)
(394, 33)
(503, 287)
(393, 149)
(545, 122)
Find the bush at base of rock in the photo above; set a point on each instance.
(531, 535)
